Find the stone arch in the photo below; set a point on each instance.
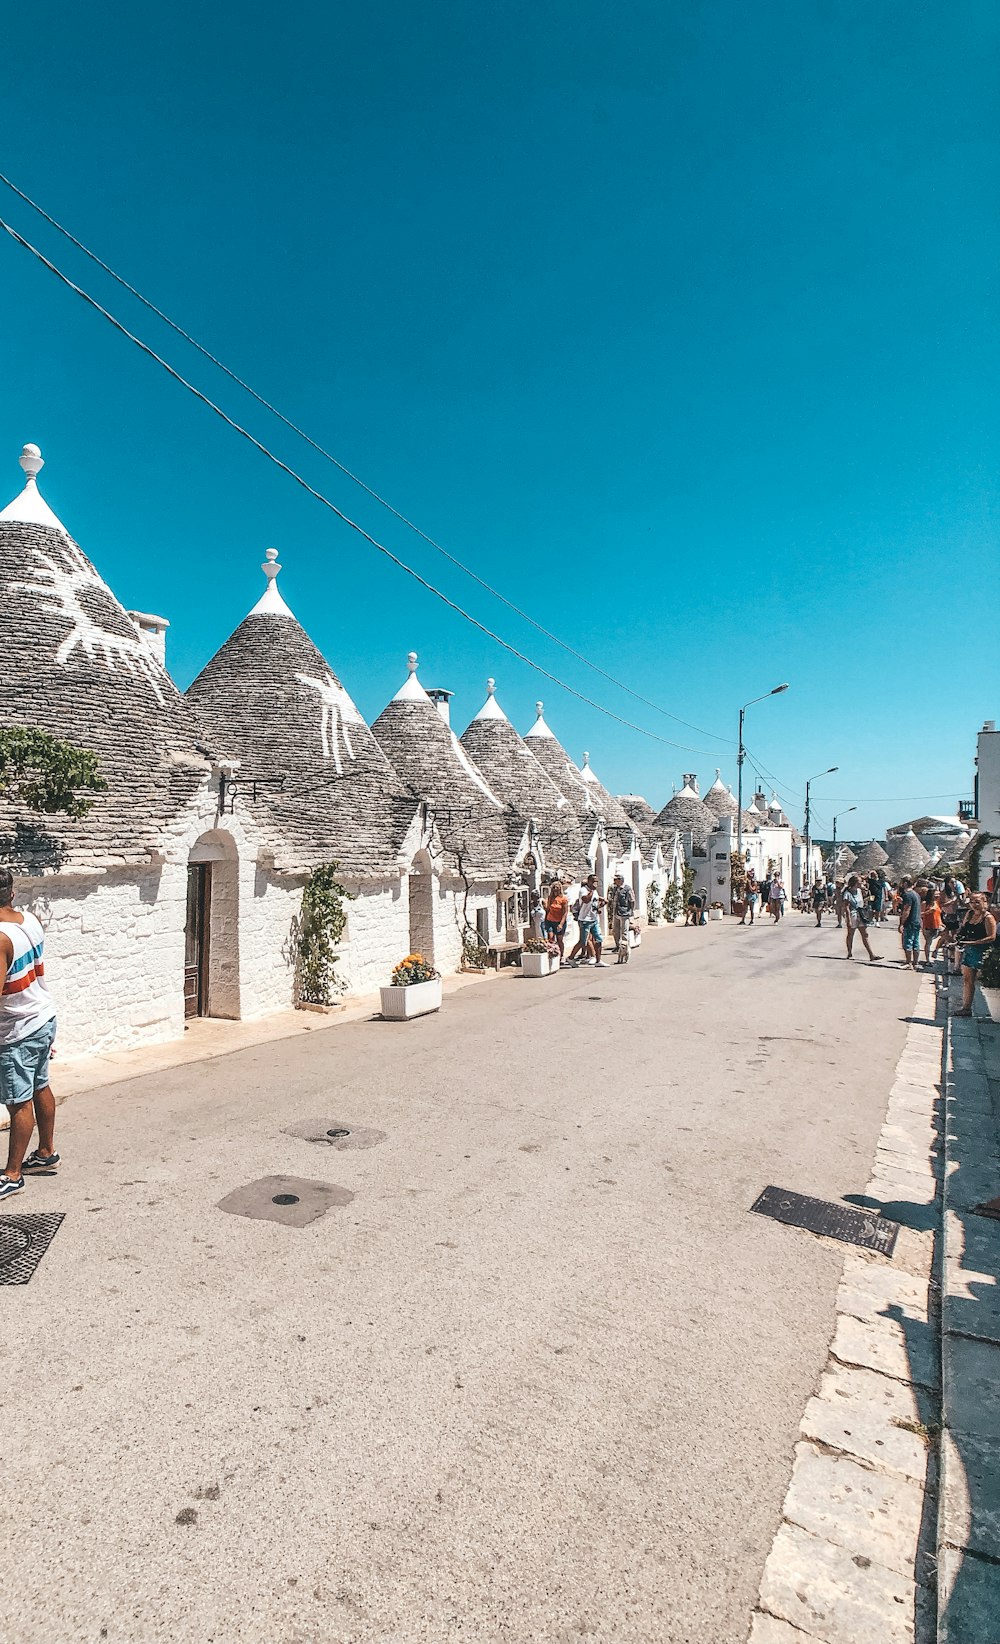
(212, 927)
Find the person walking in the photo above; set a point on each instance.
(930, 919)
(856, 917)
(910, 923)
(588, 909)
(750, 900)
(27, 1029)
(819, 901)
(883, 896)
(777, 898)
(975, 934)
(622, 909)
(556, 911)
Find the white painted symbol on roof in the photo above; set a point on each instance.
(61, 587)
(337, 713)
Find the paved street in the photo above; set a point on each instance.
(539, 1380)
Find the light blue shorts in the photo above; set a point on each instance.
(24, 1066)
(911, 938)
(590, 927)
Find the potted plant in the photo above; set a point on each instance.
(716, 910)
(414, 990)
(989, 981)
(475, 953)
(672, 903)
(538, 958)
(654, 903)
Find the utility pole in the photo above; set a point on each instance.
(741, 755)
(812, 779)
(836, 819)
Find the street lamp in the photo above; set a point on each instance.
(739, 764)
(836, 819)
(814, 779)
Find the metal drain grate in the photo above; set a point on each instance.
(23, 1242)
(834, 1221)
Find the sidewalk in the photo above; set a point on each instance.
(969, 1514)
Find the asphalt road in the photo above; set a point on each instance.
(539, 1380)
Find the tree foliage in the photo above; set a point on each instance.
(322, 923)
(47, 774)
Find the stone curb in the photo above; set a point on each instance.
(852, 1562)
(968, 1531)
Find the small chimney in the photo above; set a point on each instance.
(153, 630)
(691, 780)
(442, 701)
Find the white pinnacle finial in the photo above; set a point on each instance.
(411, 661)
(718, 773)
(31, 461)
(586, 757)
(491, 687)
(270, 602)
(539, 709)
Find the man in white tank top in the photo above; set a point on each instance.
(27, 1029)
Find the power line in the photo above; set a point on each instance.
(354, 478)
(345, 518)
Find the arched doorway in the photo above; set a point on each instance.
(212, 928)
(421, 886)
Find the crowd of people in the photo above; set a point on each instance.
(550, 919)
(939, 917)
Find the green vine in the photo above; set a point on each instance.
(45, 773)
(322, 923)
(673, 901)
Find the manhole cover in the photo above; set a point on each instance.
(338, 1131)
(834, 1221)
(23, 1242)
(285, 1198)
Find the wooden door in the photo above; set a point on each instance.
(196, 932)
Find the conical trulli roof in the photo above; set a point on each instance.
(907, 854)
(619, 827)
(638, 809)
(567, 777)
(870, 856)
(517, 777)
(475, 826)
(720, 801)
(75, 665)
(271, 699)
(689, 814)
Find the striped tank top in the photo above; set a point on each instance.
(25, 1002)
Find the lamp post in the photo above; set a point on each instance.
(814, 779)
(836, 819)
(739, 764)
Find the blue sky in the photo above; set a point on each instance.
(677, 322)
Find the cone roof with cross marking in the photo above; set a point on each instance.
(518, 778)
(272, 700)
(476, 827)
(76, 666)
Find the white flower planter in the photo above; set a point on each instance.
(539, 964)
(715, 913)
(400, 1004)
(992, 997)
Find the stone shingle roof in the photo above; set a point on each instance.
(906, 854)
(588, 797)
(476, 827)
(639, 809)
(521, 782)
(686, 812)
(719, 799)
(870, 856)
(75, 665)
(270, 699)
(619, 827)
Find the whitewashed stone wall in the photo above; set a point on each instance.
(377, 936)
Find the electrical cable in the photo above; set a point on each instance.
(347, 472)
(345, 518)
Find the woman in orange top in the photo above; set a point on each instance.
(930, 920)
(556, 910)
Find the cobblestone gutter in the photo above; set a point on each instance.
(854, 1559)
(969, 1517)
